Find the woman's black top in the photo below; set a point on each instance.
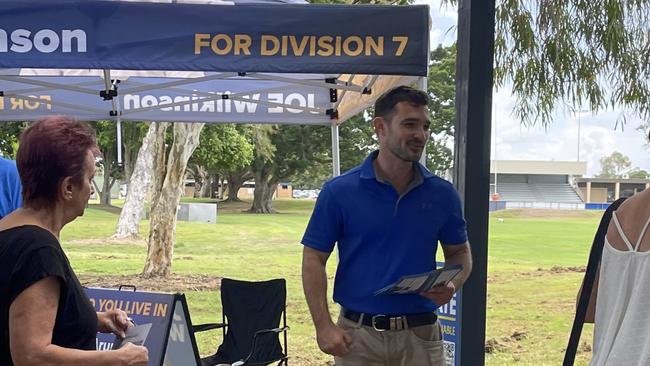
(27, 255)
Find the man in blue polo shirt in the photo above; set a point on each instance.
(387, 216)
(10, 188)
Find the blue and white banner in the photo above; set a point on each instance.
(288, 38)
(449, 316)
(153, 99)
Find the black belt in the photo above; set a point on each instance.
(391, 322)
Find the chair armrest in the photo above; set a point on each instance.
(203, 327)
(259, 332)
(274, 330)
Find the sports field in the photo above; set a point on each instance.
(536, 259)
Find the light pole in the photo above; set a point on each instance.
(579, 113)
(578, 154)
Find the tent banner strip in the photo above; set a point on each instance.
(288, 38)
(252, 102)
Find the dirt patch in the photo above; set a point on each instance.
(502, 344)
(172, 284)
(108, 241)
(233, 207)
(560, 269)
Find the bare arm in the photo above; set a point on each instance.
(31, 323)
(590, 316)
(459, 254)
(454, 254)
(314, 282)
(331, 339)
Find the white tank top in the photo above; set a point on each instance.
(622, 328)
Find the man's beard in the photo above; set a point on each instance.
(406, 154)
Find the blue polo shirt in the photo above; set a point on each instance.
(10, 188)
(382, 236)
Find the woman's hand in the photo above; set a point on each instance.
(114, 321)
(133, 355)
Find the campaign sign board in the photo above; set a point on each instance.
(170, 340)
(449, 317)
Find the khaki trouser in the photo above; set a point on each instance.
(417, 346)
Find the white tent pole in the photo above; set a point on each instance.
(116, 109)
(190, 81)
(422, 85)
(322, 84)
(336, 161)
(119, 131)
(46, 88)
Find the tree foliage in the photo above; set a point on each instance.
(582, 53)
(594, 53)
(614, 166)
(356, 141)
(222, 148)
(281, 152)
(9, 134)
(441, 87)
(638, 173)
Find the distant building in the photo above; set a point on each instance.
(604, 190)
(537, 184)
(283, 191)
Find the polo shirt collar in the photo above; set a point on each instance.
(368, 170)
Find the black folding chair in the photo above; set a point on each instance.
(251, 324)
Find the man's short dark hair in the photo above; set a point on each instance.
(385, 105)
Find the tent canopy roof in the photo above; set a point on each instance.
(249, 62)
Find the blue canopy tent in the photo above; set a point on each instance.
(206, 61)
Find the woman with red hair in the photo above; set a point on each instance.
(45, 316)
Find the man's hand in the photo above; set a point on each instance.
(333, 340)
(440, 294)
(114, 321)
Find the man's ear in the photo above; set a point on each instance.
(66, 188)
(379, 123)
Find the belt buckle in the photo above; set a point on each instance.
(374, 323)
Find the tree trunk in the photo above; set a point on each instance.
(220, 187)
(201, 181)
(216, 182)
(131, 133)
(265, 187)
(107, 184)
(128, 225)
(208, 188)
(235, 182)
(163, 213)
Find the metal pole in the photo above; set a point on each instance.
(336, 161)
(119, 131)
(474, 72)
(578, 155)
(496, 190)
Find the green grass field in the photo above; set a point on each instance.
(535, 264)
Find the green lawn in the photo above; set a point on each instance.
(532, 282)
